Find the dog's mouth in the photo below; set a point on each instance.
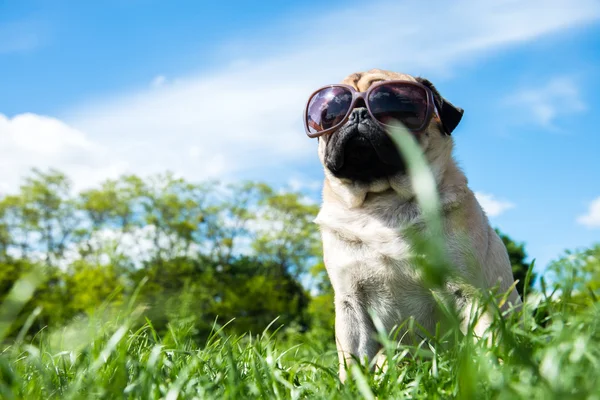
(362, 152)
(359, 152)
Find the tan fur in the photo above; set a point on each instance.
(368, 257)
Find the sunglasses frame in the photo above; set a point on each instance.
(364, 96)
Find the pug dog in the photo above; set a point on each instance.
(369, 206)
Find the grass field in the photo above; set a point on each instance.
(553, 353)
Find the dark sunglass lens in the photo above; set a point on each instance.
(327, 108)
(399, 103)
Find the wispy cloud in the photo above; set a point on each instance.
(592, 218)
(158, 81)
(301, 184)
(493, 206)
(246, 116)
(558, 97)
(19, 36)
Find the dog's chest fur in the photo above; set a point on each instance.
(369, 259)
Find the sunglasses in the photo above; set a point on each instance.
(410, 103)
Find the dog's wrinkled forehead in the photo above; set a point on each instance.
(361, 81)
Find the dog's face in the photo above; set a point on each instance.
(360, 157)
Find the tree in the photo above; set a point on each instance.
(50, 295)
(578, 273)
(40, 219)
(203, 250)
(88, 286)
(517, 256)
(285, 233)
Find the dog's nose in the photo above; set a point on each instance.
(359, 114)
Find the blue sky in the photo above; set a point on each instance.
(216, 90)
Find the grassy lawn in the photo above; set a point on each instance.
(553, 353)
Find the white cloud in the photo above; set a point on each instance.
(303, 184)
(592, 218)
(158, 81)
(30, 140)
(247, 116)
(560, 96)
(492, 206)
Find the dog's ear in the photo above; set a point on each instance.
(449, 114)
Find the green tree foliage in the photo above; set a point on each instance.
(204, 251)
(517, 256)
(38, 221)
(579, 273)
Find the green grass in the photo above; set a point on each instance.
(555, 356)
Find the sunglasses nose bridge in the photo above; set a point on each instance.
(359, 100)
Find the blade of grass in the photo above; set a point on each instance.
(19, 295)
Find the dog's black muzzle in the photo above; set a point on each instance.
(362, 151)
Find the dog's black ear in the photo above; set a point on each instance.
(449, 114)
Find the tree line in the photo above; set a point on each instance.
(196, 252)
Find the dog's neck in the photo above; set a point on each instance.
(380, 214)
(451, 184)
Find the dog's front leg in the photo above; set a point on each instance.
(354, 331)
(471, 312)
